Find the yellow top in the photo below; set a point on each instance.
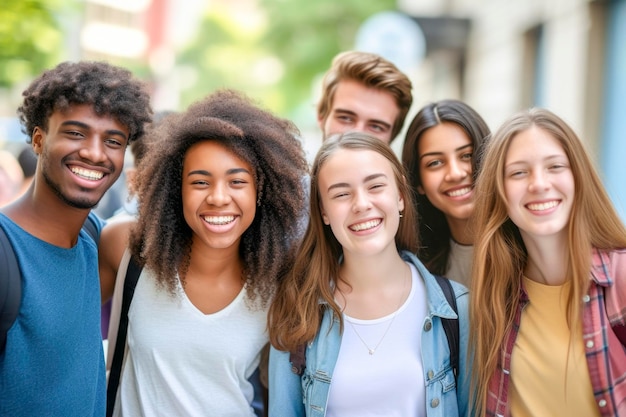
(549, 375)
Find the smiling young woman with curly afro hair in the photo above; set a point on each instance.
(221, 199)
(163, 239)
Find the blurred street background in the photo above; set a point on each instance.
(499, 56)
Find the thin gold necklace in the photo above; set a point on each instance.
(370, 350)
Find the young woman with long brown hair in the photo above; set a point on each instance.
(548, 295)
(368, 311)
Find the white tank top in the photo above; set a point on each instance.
(389, 382)
(182, 362)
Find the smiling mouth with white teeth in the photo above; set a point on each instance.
(542, 206)
(460, 192)
(87, 174)
(365, 225)
(218, 220)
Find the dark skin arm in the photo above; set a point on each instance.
(113, 242)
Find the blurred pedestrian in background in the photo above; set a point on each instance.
(11, 177)
(28, 162)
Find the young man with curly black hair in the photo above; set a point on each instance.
(79, 118)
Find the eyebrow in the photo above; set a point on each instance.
(87, 127)
(209, 174)
(460, 148)
(546, 159)
(366, 179)
(350, 112)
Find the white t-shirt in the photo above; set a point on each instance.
(182, 362)
(389, 382)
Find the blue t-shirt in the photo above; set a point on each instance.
(53, 364)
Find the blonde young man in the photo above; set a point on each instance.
(364, 92)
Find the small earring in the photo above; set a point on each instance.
(400, 214)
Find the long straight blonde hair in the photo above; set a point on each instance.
(499, 252)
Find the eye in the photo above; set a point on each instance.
(344, 118)
(378, 128)
(74, 134)
(341, 194)
(377, 186)
(114, 143)
(239, 183)
(435, 163)
(467, 156)
(558, 167)
(201, 183)
(517, 173)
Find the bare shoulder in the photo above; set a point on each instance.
(114, 239)
(116, 232)
(113, 243)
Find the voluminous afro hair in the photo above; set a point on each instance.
(162, 239)
(110, 89)
(139, 148)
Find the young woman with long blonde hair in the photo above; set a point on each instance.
(548, 295)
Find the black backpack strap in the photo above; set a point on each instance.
(298, 360)
(130, 282)
(90, 227)
(10, 287)
(451, 326)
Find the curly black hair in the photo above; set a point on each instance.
(162, 239)
(111, 90)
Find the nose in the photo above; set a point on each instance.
(360, 126)
(93, 150)
(218, 195)
(361, 202)
(457, 170)
(538, 182)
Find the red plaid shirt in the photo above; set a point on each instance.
(604, 318)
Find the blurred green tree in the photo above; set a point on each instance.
(30, 38)
(275, 58)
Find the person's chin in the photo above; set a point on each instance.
(82, 202)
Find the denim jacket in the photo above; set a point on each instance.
(292, 395)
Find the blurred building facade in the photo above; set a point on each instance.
(502, 56)
(498, 55)
(148, 32)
